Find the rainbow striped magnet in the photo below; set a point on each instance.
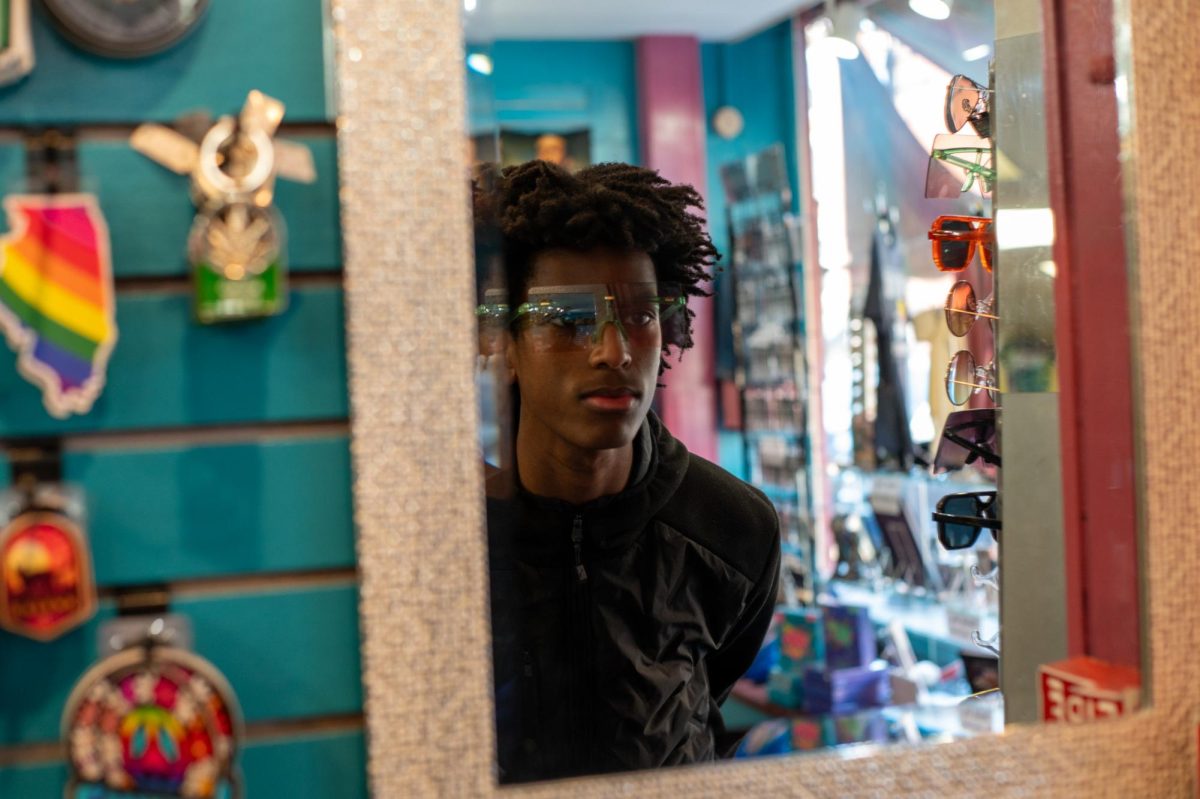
(57, 306)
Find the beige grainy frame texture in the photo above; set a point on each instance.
(409, 295)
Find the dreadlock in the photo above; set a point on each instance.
(538, 206)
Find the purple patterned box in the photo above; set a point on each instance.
(849, 637)
(846, 690)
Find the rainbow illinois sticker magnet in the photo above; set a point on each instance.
(57, 305)
(46, 583)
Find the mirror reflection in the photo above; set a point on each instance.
(765, 295)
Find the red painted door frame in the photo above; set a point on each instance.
(1093, 332)
(671, 127)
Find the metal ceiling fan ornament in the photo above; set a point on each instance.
(237, 245)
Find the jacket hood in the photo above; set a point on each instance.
(541, 527)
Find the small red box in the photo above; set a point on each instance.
(1081, 689)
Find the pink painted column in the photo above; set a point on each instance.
(671, 126)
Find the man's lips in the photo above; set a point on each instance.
(607, 391)
(610, 399)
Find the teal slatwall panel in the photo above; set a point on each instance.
(217, 510)
(149, 211)
(273, 45)
(12, 172)
(328, 767)
(331, 766)
(287, 654)
(259, 507)
(168, 371)
(33, 782)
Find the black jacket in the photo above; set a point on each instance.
(620, 626)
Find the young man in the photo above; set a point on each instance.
(632, 582)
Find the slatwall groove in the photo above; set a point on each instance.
(166, 437)
(42, 753)
(226, 509)
(273, 45)
(168, 371)
(303, 766)
(120, 130)
(289, 654)
(51, 752)
(242, 584)
(181, 284)
(138, 196)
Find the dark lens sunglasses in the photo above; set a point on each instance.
(960, 517)
(968, 436)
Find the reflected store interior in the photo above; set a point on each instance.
(894, 351)
(536, 398)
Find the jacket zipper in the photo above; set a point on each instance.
(577, 540)
(581, 643)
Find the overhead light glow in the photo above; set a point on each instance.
(977, 53)
(469, 5)
(842, 48)
(845, 22)
(478, 62)
(1023, 228)
(934, 9)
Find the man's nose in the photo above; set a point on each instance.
(611, 349)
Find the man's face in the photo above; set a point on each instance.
(595, 396)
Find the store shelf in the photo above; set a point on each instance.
(926, 621)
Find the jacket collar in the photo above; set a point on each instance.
(542, 526)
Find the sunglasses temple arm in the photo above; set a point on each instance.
(972, 169)
(970, 446)
(968, 521)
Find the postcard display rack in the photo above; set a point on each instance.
(768, 364)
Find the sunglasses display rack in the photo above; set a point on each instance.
(888, 556)
(769, 368)
(968, 438)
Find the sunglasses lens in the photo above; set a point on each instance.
(960, 377)
(960, 308)
(966, 432)
(958, 536)
(962, 96)
(943, 181)
(643, 314)
(959, 163)
(672, 315)
(952, 256)
(559, 321)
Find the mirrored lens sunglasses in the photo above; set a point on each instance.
(967, 102)
(574, 317)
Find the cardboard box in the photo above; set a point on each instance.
(849, 637)
(1082, 689)
(841, 691)
(801, 639)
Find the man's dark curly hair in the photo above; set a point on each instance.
(538, 206)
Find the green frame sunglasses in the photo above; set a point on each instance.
(573, 317)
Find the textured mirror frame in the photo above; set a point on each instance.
(408, 276)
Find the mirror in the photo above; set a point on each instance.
(839, 494)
